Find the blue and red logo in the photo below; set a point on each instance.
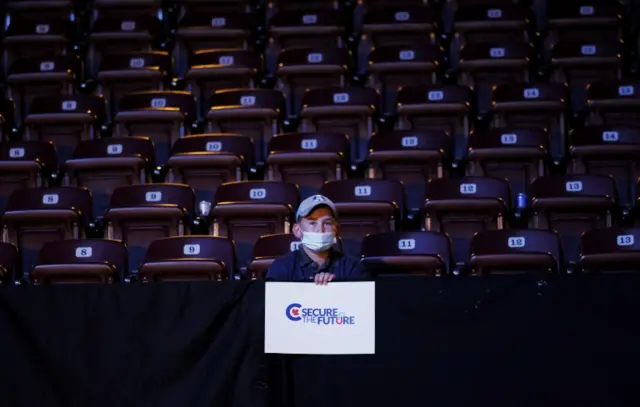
(319, 316)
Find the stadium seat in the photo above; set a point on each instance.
(29, 9)
(102, 165)
(411, 157)
(489, 22)
(205, 161)
(518, 155)
(308, 159)
(125, 7)
(189, 258)
(244, 211)
(208, 6)
(364, 207)
(571, 205)
(311, 5)
(461, 207)
(515, 251)
(613, 103)
(9, 258)
(351, 111)
(268, 248)
(139, 214)
(7, 117)
(76, 261)
(163, 116)
(36, 216)
(65, 121)
(610, 250)
(401, 253)
(252, 112)
(24, 164)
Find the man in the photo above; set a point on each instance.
(317, 259)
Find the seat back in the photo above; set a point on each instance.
(307, 159)
(244, 211)
(610, 250)
(571, 205)
(189, 258)
(76, 261)
(462, 207)
(613, 103)
(205, 161)
(125, 7)
(139, 214)
(268, 248)
(9, 262)
(397, 253)
(489, 22)
(29, 9)
(306, 28)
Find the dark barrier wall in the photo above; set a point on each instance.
(510, 341)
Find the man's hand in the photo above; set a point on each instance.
(324, 278)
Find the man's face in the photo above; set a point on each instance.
(320, 220)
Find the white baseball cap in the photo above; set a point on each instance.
(308, 205)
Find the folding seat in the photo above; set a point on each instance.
(200, 31)
(9, 258)
(268, 248)
(275, 6)
(163, 116)
(350, 110)
(24, 164)
(609, 151)
(489, 22)
(36, 37)
(206, 161)
(208, 6)
(609, 250)
(308, 159)
(125, 7)
(515, 251)
(461, 207)
(393, 66)
(437, 107)
(415, 253)
(26, 9)
(119, 34)
(244, 211)
(36, 216)
(411, 157)
(212, 70)
(364, 207)
(536, 106)
(139, 214)
(518, 155)
(189, 258)
(29, 78)
(301, 69)
(252, 112)
(485, 65)
(613, 103)
(65, 120)
(78, 261)
(579, 63)
(130, 72)
(571, 205)
(103, 165)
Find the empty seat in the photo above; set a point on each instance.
(610, 151)
(130, 72)
(393, 66)
(252, 112)
(311, 5)
(139, 214)
(268, 248)
(189, 258)
(364, 207)
(205, 161)
(36, 216)
(411, 157)
(610, 250)
(487, 64)
(125, 7)
(76, 261)
(515, 251)
(7, 117)
(488, 22)
(208, 6)
(31, 77)
(163, 116)
(301, 69)
(351, 111)
(65, 121)
(308, 159)
(515, 154)
(244, 211)
(614, 103)
(9, 258)
(24, 164)
(23, 9)
(461, 207)
(212, 70)
(397, 253)
(103, 165)
(571, 205)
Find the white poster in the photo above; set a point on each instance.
(306, 319)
